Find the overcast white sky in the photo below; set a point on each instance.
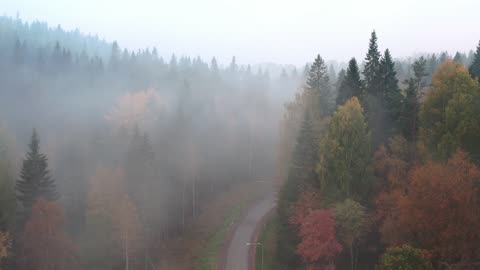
(257, 31)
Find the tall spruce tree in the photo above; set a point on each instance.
(372, 68)
(318, 83)
(351, 85)
(35, 181)
(392, 97)
(411, 104)
(457, 57)
(301, 176)
(474, 68)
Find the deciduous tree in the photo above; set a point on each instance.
(405, 258)
(350, 226)
(449, 116)
(318, 245)
(344, 165)
(44, 243)
(439, 211)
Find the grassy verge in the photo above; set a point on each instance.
(199, 247)
(236, 203)
(268, 239)
(209, 259)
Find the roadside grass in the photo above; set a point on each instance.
(268, 239)
(201, 245)
(209, 259)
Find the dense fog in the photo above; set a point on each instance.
(133, 146)
(174, 132)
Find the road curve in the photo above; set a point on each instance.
(237, 252)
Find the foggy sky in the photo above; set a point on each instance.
(259, 31)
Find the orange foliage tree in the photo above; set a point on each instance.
(44, 243)
(439, 211)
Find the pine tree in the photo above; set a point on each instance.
(392, 97)
(351, 85)
(372, 68)
(318, 84)
(35, 181)
(474, 69)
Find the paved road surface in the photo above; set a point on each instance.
(237, 254)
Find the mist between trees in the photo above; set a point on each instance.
(127, 146)
(131, 146)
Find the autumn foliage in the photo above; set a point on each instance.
(45, 244)
(308, 202)
(439, 210)
(318, 244)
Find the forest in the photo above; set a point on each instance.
(108, 155)
(384, 174)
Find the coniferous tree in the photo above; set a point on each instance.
(474, 69)
(411, 104)
(372, 68)
(35, 181)
(18, 53)
(318, 83)
(392, 98)
(114, 61)
(332, 75)
(214, 66)
(340, 77)
(432, 64)
(233, 65)
(351, 85)
(457, 57)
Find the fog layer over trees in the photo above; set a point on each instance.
(127, 146)
(105, 153)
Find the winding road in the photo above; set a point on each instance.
(237, 254)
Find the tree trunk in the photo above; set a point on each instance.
(352, 258)
(183, 204)
(126, 250)
(194, 197)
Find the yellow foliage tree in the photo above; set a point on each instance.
(110, 209)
